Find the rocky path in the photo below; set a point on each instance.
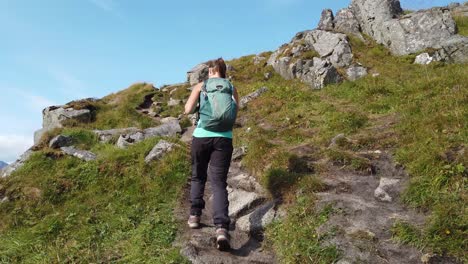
(365, 209)
(249, 210)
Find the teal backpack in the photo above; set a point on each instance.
(218, 110)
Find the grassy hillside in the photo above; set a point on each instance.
(417, 111)
(119, 209)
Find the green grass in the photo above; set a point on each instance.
(295, 239)
(462, 25)
(118, 209)
(115, 209)
(417, 111)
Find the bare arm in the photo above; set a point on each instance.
(193, 99)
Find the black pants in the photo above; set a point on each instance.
(211, 158)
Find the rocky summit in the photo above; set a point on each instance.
(349, 147)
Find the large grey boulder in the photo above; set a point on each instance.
(283, 67)
(453, 50)
(197, 74)
(55, 116)
(417, 31)
(168, 129)
(326, 20)
(81, 154)
(331, 44)
(346, 22)
(319, 73)
(8, 170)
(372, 14)
(159, 150)
(60, 141)
(433, 28)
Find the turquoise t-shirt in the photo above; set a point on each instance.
(203, 133)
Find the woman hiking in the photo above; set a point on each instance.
(212, 147)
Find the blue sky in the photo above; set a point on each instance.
(55, 51)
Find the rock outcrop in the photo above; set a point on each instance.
(8, 170)
(313, 56)
(129, 136)
(56, 116)
(197, 74)
(403, 34)
(326, 20)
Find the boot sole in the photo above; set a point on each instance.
(223, 244)
(193, 225)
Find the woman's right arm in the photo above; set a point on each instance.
(193, 99)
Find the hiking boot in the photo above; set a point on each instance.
(194, 221)
(222, 239)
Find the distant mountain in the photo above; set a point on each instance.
(3, 164)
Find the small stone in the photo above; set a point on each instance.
(159, 150)
(423, 59)
(60, 141)
(336, 139)
(258, 59)
(386, 186)
(268, 75)
(238, 153)
(356, 72)
(106, 136)
(173, 102)
(126, 140)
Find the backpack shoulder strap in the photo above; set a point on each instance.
(203, 88)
